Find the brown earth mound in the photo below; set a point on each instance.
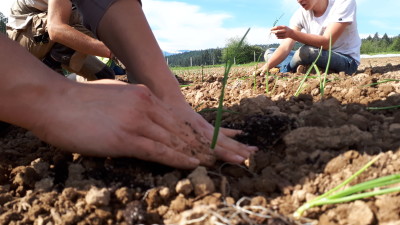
(308, 145)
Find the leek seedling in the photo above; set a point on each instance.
(323, 80)
(300, 88)
(381, 82)
(353, 193)
(255, 74)
(384, 108)
(228, 66)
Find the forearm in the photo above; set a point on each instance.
(68, 36)
(140, 52)
(311, 39)
(27, 87)
(280, 53)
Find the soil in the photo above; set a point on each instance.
(308, 145)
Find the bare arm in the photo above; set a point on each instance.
(66, 114)
(22, 95)
(336, 29)
(279, 55)
(119, 29)
(60, 31)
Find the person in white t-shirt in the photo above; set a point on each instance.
(314, 24)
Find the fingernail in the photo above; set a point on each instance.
(238, 158)
(194, 160)
(253, 148)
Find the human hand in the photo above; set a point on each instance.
(112, 119)
(261, 71)
(227, 149)
(282, 32)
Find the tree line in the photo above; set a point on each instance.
(250, 53)
(3, 21)
(375, 44)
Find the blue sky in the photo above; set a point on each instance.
(202, 24)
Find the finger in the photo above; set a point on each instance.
(150, 150)
(166, 119)
(158, 133)
(227, 146)
(185, 139)
(230, 132)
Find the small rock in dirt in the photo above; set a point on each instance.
(98, 197)
(24, 175)
(124, 195)
(336, 164)
(75, 176)
(170, 179)
(360, 214)
(134, 213)
(389, 207)
(41, 167)
(164, 193)
(153, 198)
(202, 183)
(70, 193)
(179, 204)
(184, 187)
(44, 185)
(259, 201)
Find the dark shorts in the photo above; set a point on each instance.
(93, 11)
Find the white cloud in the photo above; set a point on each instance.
(5, 6)
(182, 26)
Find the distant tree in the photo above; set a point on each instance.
(376, 37)
(396, 44)
(369, 38)
(244, 54)
(385, 42)
(3, 21)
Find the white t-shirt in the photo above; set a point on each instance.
(338, 11)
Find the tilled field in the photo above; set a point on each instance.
(308, 145)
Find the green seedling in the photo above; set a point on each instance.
(381, 82)
(213, 110)
(267, 73)
(355, 192)
(228, 66)
(301, 88)
(384, 108)
(255, 74)
(185, 85)
(323, 79)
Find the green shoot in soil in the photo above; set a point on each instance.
(267, 72)
(353, 193)
(300, 88)
(384, 108)
(228, 66)
(381, 82)
(323, 79)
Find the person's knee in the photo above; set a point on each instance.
(268, 53)
(306, 54)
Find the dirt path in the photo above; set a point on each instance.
(307, 146)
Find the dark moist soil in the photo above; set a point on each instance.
(307, 146)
